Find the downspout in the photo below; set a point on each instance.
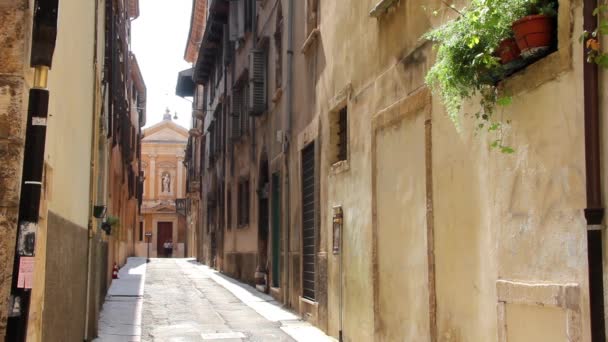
(44, 35)
(594, 212)
(287, 141)
(92, 176)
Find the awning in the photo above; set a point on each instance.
(185, 83)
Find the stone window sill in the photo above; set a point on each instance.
(277, 95)
(310, 40)
(382, 7)
(340, 167)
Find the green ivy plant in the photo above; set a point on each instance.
(113, 221)
(467, 65)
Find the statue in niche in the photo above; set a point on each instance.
(166, 182)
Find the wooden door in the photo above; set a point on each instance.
(165, 234)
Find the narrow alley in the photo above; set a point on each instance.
(182, 300)
(303, 170)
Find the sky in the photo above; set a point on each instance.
(158, 40)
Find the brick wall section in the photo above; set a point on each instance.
(15, 26)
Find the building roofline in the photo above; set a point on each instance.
(198, 21)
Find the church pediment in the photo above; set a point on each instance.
(166, 130)
(166, 134)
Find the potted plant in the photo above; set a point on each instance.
(110, 222)
(99, 211)
(534, 32)
(468, 63)
(508, 51)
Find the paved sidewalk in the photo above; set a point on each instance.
(186, 301)
(120, 318)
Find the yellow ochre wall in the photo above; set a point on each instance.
(506, 232)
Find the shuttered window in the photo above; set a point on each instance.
(245, 110)
(309, 243)
(233, 20)
(229, 209)
(278, 40)
(249, 14)
(343, 134)
(227, 45)
(243, 203)
(258, 92)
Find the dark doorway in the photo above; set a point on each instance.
(263, 215)
(309, 243)
(276, 230)
(165, 234)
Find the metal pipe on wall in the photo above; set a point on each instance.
(594, 212)
(287, 142)
(44, 35)
(94, 151)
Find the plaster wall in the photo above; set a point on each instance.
(493, 216)
(71, 84)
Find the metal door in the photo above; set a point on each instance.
(309, 242)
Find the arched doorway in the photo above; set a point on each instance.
(263, 221)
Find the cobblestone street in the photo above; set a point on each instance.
(185, 301)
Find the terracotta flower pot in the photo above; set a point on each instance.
(533, 33)
(508, 51)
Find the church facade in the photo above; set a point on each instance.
(164, 176)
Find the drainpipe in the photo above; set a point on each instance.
(94, 141)
(594, 212)
(44, 34)
(287, 141)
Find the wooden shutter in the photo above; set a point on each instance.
(244, 109)
(241, 19)
(233, 19)
(208, 149)
(257, 86)
(235, 117)
(227, 46)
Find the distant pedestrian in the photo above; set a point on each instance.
(168, 246)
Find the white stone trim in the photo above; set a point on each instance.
(564, 296)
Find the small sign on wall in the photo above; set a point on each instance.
(26, 273)
(338, 220)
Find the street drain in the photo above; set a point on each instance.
(222, 336)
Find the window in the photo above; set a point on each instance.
(339, 135)
(229, 209)
(278, 42)
(243, 203)
(258, 93)
(245, 109)
(141, 231)
(249, 11)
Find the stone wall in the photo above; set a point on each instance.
(241, 266)
(15, 23)
(66, 279)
